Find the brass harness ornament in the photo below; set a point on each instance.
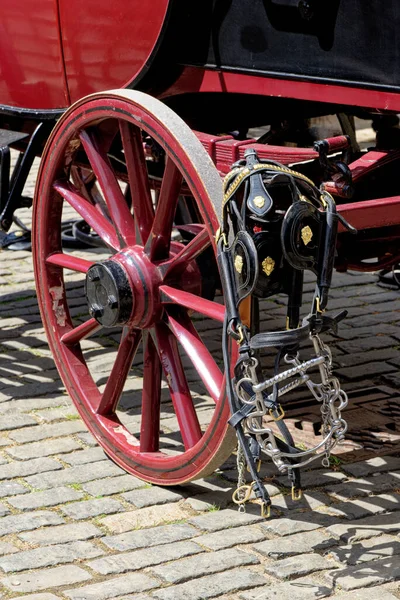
(259, 201)
(306, 235)
(238, 263)
(268, 265)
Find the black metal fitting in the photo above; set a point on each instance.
(108, 293)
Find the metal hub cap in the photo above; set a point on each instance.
(109, 294)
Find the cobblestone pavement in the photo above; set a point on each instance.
(74, 525)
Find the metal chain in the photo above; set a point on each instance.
(241, 483)
(328, 393)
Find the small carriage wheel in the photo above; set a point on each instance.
(145, 296)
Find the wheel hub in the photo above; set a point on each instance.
(124, 290)
(109, 293)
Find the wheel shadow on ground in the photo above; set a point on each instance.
(26, 366)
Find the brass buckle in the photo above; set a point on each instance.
(265, 510)
(222, 235)
(281, 413)
(258, 466)
(247, 489)
(318, 303)
(297, 494)
(241, 335)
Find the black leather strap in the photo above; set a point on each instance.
(280, 339)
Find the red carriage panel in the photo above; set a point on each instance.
(108, 44)
(31, 66)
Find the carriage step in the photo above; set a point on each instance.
(7, 137)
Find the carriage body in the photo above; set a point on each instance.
(138, 175)
(340, 53)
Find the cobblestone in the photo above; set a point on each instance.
(39, 597)
(145, 538)
(367, 574)
(364, 487)
(144, 517)
(41, 449)
(152, 496)
(84, 456)
(356, 509)
(25, 522)
(365, 528)
(289, 526)
(48, 498)
(367, 550)
(111, 588)
(375, 593)
(367, 344)
(12, 488)
(92, 508)
(16, 422)
(7, 548)
(299, 565)
(300, 543)
(350, 374)
(41, 580)
(379, 464)
(298, 589)
(74, 475)
(62, 534)
(57, 414)
(231, 537)
(212, 586)
(222, 519)
(42, 432)
(113, 485)
(204, 564)
(22, 469)
(49, 556)
(139, 559)
(209, 501)
(316, 478)
(3, 510)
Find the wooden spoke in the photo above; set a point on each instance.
(89, 213)
(180, 393)
(73, 263)
(138, 179)
(190, 252)
(119, 210)
(151, 396)
(116, 381)
(199, 355)
(80, 332)
(201, 305)
(159, 240)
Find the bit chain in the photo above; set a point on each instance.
(328, 393)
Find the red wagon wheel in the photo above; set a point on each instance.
(129, 326)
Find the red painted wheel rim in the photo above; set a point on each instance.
(162, 279)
